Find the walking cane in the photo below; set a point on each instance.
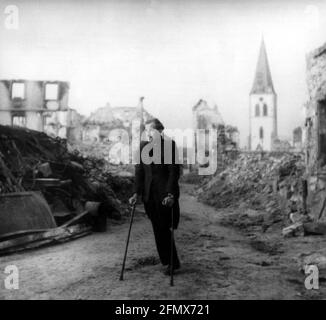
(171, 254)
(127, 243)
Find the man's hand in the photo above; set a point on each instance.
(133, 200)
(168, 201)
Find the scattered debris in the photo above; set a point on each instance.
(314, 228)
(34, 165)
(255, 178)
(293, 230)
(264, 189)
(266, 245)
(42, 237)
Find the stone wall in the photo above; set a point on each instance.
(315, 130)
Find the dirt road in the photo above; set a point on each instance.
(217, 263)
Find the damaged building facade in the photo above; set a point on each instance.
(108, 123)
(113, 131)
(37, 105)
(209, 118)
(298, 139)
(205, 118)
(315, 130)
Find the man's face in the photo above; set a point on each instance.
(151, 131)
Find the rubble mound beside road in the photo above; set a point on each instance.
(27, 157)
(254, 180)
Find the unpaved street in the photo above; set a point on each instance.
(217, 263)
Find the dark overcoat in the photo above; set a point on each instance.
(154, 181)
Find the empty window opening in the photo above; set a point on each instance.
(265, 110)
(18, 90)
(19, 121)
(257, 111)
(261, 133)
(51, 91)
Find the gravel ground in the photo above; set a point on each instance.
(218, 262)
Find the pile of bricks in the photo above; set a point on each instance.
(257, 181)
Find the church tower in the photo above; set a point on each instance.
(263, 106)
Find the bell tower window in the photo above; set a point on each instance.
(261, 133)
(265, 110)
(257, 111)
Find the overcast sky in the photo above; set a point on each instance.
(171, 52)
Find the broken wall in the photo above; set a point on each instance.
(34, 104)
(206, 117)
(298, 139)
(315, 130)
(75, 126)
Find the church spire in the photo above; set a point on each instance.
(263, 82)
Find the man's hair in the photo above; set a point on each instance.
(157, 124)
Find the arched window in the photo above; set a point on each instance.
(257, 111)
(261, 133)
(265, 111)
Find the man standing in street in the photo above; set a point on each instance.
(156, 184)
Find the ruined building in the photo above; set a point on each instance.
(37, 105)
(298, 139)
(262, 106)
(232, 135)
(315, 129)
(108, 123)
(114, 129)
(208, 118)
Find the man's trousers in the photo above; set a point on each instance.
(160, 217)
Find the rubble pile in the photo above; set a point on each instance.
(117, 179)
(87, 149)
(31, 160)
(20, 152)
(257, 180)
